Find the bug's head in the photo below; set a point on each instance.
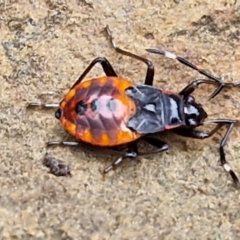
(195, 114)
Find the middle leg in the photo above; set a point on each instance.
(150, 67)
(132, 151)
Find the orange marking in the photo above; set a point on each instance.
(69, 95)
(70, 127)
(84, 84)
(87, 136)
(105, 139)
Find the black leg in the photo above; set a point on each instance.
(201, 135)
(193, 85)
(160, 145)
(132, 152)
(119, 160)
(107, 68)
(223, 142)
(150, 67)
(192, 133)
(106, 65)
(184, 61)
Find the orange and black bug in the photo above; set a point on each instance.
(110, 111)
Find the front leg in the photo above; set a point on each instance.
(150, 67)
(192, 133)
(189, 89)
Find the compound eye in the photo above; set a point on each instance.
(58, 114)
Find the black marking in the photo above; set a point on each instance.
(81, 107)
(175, 113)
(175, 121)
(155, 109)
(131, 91)
(58, 114)
(144, 94)
(149, 102)
(94, 105)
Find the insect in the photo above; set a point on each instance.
(56, 166)
(111, 111)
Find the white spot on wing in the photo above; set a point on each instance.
(150, 107)
(174, 109)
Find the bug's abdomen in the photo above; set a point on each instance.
(96, 111)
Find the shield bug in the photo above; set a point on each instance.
(111, 111)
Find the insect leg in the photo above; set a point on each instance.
(160, 145)
(202, 135)
(63, 143)
(194, 84)
(184, 61)
(106, 65)
(150, 67)
(107, 68)
(132, 152)
(43, 105)
(119, 160)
